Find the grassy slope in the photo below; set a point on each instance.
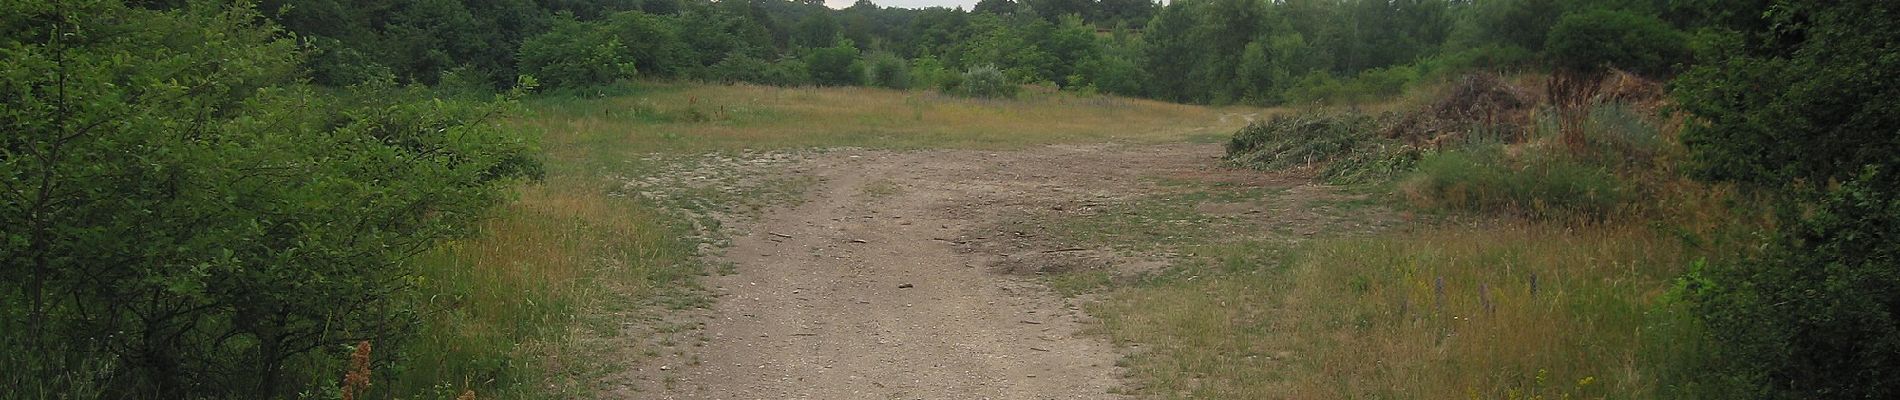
(516, 301)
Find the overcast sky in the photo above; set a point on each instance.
(907, 3)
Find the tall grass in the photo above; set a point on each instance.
(503, 305)
(1522, 310)
(1514, 311)
(1485, 178)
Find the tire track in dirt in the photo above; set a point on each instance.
(866, 290)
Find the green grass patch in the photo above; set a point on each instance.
(1536, 183)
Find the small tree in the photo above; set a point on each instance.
(887, 70)
(575, 54)
(988, 82)
(1597, 39)
(179, 218)
(836, 65)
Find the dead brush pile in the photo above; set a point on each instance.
(1478, 101)
(1643, 94)
(1343, 147)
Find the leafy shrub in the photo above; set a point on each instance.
(987, 82)
(1109, 73)
(1802, 108)
(1484, 179)
(836, 65)
(1490, 56)
(1596, 39)
(952, 83)
(1817, 314)
(228, 227)
(651, 42)
(927, 72)
(886, 70)
(575, 54)
(1320, 87)
(740, 67)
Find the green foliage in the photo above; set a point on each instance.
(986, 82)
(748, 69)
(1781, 110)
(652, 43)
(1015, 46)
(1484, 178)
(1597, 39)
(176, 228)
(1487, 57)
(1370, 85)
(576, 54)
(1801, 106)
(928, 72)
(1109, 73)
(836, 65)
(887, 70)
(1814, 315)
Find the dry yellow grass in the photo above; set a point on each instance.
(674, 118)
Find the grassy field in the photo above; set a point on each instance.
(1440, 307)
(692, 118)
(520, 304)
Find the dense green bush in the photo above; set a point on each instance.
(1817, 314)
(928, 72)
(987, 82)
(652, 43)
(1109, 73)
(836, 65)
(1597, 39)
(1801, 108)
(176, 228)
(575, 54)
(887, 70)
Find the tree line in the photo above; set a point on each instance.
(1201, 51)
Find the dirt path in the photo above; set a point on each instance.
(872, 287)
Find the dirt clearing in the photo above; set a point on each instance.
(892, 279)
